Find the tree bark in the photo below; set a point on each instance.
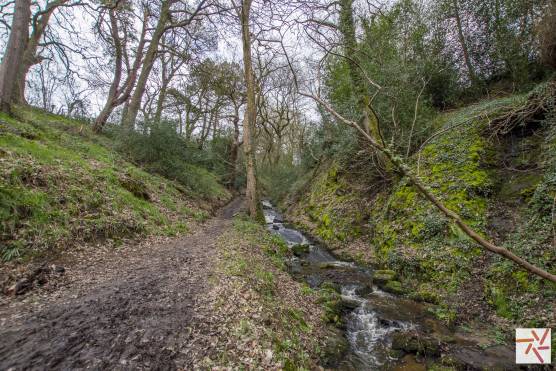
(463, 42)
(30, 57)
(369, 120)
(234, 150)
(135, 101)
(251, 114)
(108, 107)
(118, 95)
(13, 56)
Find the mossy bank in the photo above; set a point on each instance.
(503, 184)
(61, 186)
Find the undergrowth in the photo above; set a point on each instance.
(62, 185)
(475, 174)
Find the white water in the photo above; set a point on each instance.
(367, 335)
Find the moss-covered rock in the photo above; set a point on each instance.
(383, 275)
(335, 348)
(415, 343)
(135, 186)
(300, 249)
(394, 287)
(333, 208)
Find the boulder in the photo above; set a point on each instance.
(393, 287)
(415, 343)
(349, 303)
(335, 347)
(384, 275)
(300, 249)
(364, 290)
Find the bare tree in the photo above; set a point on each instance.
(243, 13)
(167, 19)
(32, 56)
(120, 92)
(170, 63)
(463, 42)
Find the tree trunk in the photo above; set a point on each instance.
(548, 36)
(117, 95)
(251, 115)
(160, 101)
(13, 56)
(30, 57)
(461, 37)
(347, 29)
(135, 101)
(112, 92)
(234, 149)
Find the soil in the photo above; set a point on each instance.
(131, 308)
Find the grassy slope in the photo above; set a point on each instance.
(398, 229)
(60, 184)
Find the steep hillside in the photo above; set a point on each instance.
(495, 164)
(61, 185)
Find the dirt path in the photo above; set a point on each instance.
(128, 310)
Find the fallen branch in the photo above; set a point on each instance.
(423, 189)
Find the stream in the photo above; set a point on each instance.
(373, 318)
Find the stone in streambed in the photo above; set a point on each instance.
(393, 287)
(334, 265)
(335, 347)
(301, 249)
(364, 290)
(349, 303)
(415, 343)
(382, 276)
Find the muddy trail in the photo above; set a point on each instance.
(134, 311)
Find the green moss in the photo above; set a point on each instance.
(333, 207)
(62, 185)
(395, 287)
(383, 275)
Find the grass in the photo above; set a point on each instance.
(268, 305)
(62, 185)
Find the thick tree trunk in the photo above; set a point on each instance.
(13, 57)
(251, 115)
(135, 101)
(30, 57)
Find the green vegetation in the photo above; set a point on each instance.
(61, 185)
(470, 170)
(284, 326)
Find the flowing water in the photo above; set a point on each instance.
(374, 316)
